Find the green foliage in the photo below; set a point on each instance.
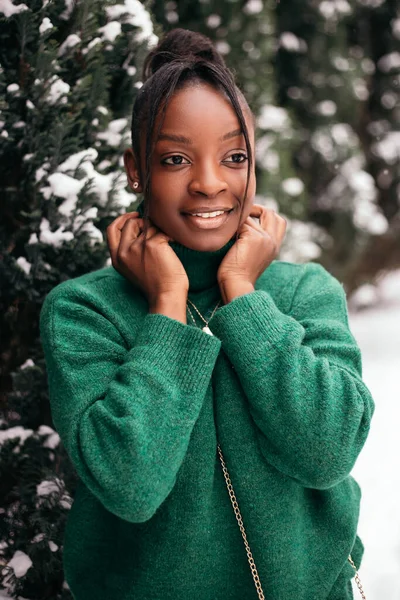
(68, 78)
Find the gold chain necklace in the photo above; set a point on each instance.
(206, 329)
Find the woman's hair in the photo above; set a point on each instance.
(181, 58)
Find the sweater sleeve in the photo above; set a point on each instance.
(125, 415)
(301, 373)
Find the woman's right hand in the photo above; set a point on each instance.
(162, 274)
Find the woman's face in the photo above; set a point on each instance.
(199, 165)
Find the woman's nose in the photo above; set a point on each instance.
(207, 181)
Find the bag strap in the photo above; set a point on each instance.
(250, 558)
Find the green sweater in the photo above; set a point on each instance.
(140, 401)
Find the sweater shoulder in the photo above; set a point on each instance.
(286, 280)
(102, 299)
(100, 286)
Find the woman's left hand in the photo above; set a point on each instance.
(257, 246)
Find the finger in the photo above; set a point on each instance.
(114, 231)
(130, 232)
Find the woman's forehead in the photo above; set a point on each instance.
(201, 106)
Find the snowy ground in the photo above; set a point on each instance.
(377, 331)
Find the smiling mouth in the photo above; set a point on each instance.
(211, 220)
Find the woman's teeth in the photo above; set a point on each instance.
(208, 215)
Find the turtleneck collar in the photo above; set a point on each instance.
(201, 267)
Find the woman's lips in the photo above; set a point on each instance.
(207, 222)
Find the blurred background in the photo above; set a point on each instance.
(323, 79)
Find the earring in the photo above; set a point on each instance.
(135, 185)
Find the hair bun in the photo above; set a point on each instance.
(180, 44)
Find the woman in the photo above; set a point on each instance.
(198, 348)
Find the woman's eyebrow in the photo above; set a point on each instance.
(181, 139)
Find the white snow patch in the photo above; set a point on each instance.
(53, 238)
(213, 21)
(111, 31)
(45, 25)
(396, 28)
(70, 42)
(53, 547)
(388, 148)
(327, 108)
(15, 432)
(134, 13)
(27, 364)
(223, 47)
(115, 134)
(8, 8)
(274, 118)
(377, 331)
(293, 186)
(13, 87)
(253, 7)
(57, 91)
(47, 487)
(292, 43)
(24, 264)
(389, 62)
(20, 563)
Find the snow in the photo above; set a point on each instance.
(115, 133)
(15, 432)
(13, 87)
(53, 238)
(134, 13)
(274, 118)
(20, 563)
(396, 28)
(111, 31)
(377, 331)
(327, 108)
(293, 186)
(8, 8)
(292, 43)
(57, 91)
(71, 41)
(253, 7)
(24, 264)
(389, 62)
(45, 25)
(388, 148)
(213, 21)
(28, 363)
(332, 9)
(47, 487)
(222, 47)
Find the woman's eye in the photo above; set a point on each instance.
(176, 159)
(237, 158)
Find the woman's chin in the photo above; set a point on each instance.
(205, 245)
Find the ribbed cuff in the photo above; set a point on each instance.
(246, 318)
(178, 350)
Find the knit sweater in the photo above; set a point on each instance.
(141, 400)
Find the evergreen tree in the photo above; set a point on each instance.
(68, 77)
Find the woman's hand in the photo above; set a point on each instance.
(162, 274)
(258, 245)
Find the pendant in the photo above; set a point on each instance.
(206, 329)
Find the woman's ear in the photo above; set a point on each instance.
(132, 171)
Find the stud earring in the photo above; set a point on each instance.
(135, 185)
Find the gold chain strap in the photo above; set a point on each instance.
(250, 558)
(239, 519)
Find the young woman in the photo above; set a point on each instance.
(197, 357)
